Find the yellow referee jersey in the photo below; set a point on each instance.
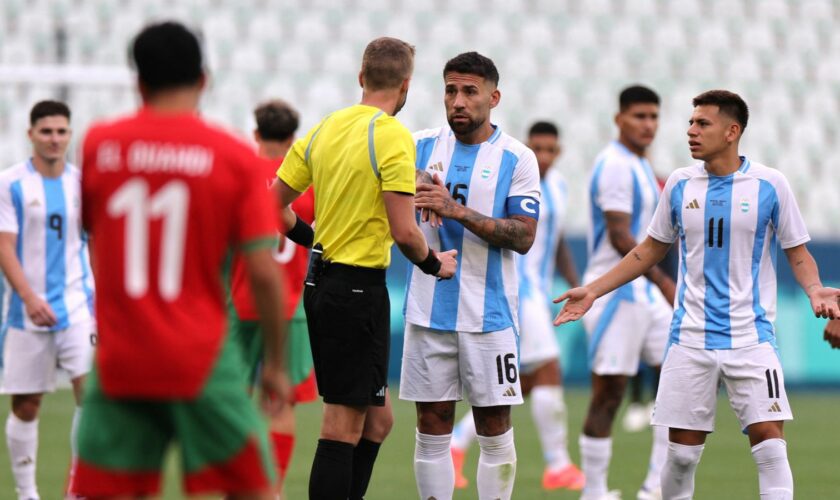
(350, 158)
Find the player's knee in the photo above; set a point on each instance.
(492, 421)
(435, 418)
(684, 456)
(26, 406)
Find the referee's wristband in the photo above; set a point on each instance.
(431, 264)
(302, 233)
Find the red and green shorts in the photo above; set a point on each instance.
(221, 436)
(248, 336)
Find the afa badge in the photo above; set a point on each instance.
(745, 205)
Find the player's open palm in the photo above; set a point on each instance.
(448, 264)
(40, 312)
(579, 299)
(824, 302)
(276, 389)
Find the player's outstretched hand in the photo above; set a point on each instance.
(448, 264)
(831, 334)
(824, 302)
(276, 389)
(580, 299)
(40, 312)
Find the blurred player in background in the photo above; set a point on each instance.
(461, 335)
(632, 322)
(277, 122)
(44, 256)
(727, 214)
(167, 199)
(360, 161)
(539, 352)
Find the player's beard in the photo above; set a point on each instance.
(464, 128)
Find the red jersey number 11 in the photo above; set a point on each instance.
(170, 203)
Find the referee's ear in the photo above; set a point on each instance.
(361, 77)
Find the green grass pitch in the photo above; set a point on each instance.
(726, 471)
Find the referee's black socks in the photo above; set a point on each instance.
(364, 455)
(332, 471)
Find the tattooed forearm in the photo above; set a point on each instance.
(637, 256)
(422, 177)
(514, 233)
(799, 262)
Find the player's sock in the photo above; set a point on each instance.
(595, 456)
(678, 471)
(283, 446)
(74, 449)
(464, 433)
(775, 481)
(364, 455)
(658, 452)
(496, 466)
(22, 440)
(549, 412)
(332, 470)
(433, 466)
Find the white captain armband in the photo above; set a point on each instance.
(523, 205)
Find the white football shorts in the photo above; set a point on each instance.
(622, 331)
(442, 366)
(537, 337)
(688, 387)
(31, 358)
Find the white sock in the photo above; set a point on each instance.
(775, 481)
(658, 452)
(595, 456)
(22, 440)
(678, 471)
(74, 449)
(433, 467)
(496, 466)
(549, 412)
(464, 432)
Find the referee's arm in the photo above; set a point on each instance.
(410, 240)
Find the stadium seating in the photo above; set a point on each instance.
(559, 59)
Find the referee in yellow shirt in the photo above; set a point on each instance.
(360, 161)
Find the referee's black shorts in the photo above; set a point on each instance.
(349, 316)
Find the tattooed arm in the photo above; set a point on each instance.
(824, 301)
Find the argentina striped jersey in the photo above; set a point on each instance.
(621, 181)
(487, 177)
(728, 228)
(536, 268)
(51, 247)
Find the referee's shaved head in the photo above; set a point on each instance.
(167, 55)
(387, 63)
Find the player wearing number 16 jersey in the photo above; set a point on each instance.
(167, 198)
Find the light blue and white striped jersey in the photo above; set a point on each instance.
(623, 182)
(727, 229)
(496, 178)
(45, 214)
(536, 268)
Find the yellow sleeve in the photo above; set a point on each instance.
(395, 155)
(295, 169)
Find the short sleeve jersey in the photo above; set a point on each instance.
(621, 181)
(727, 229)
(536, 268)
(45, 214)
(497, 178)
(166, 198)
(350, 158)
(292, 258)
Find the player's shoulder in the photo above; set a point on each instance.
(763, 172)
(15, 172)
(512, 146)
(685, 173)
(428, 134)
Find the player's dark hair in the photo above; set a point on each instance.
(473, 63)
(729, 103)
(276, 120)
(167, 55)
(544, 128)
(636, 94)
(48, 108)
(386, 63)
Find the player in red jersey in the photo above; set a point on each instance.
(277, 122)
(167, 198)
